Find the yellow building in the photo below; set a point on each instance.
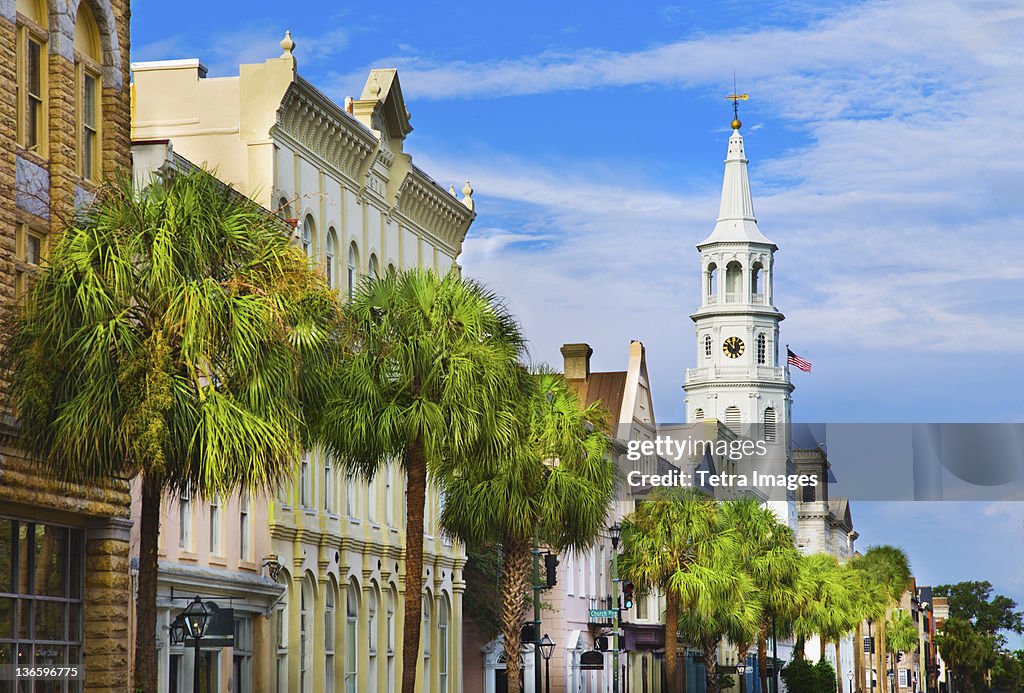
(358, 206)
(64, 567)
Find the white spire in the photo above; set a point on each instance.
(736, 220)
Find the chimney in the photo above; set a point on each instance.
(576, 359)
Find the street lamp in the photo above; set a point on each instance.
(615, 531)
(177, 631)
(195, 617)
(849, 676)
(547, 648)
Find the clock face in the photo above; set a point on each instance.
(733, 347)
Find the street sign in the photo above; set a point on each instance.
(602, 613)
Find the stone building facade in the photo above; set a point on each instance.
(64, 125)
(358, 205)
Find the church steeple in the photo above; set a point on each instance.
(736, 220)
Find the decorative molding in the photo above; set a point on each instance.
(427, 205)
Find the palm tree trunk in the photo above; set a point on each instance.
(883, 674)
(515, 571)
(671, 628)
(416, 470)
(742, 650)
(711, 668)
(858, 658)
(821, 647)
(798, 648)
(762, 656)
(145, 614)
(839, 669)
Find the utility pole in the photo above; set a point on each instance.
(536, 610)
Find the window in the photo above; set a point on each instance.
(755, 280)
(88, 58)
(242, 655)
(389, 495)
(809, 494)
(353, 265)
(215, 529)
(305, 482)
(307, 235)
(371, 632)
(733, 281)
(41, 596)
(707, 345)
(769, 425)
(351, 632)
(331, 241)
(698, 414)
(762, 349)
(426, 642)
(243, 527)
(374, 267)
(390, 627)
(641, 608)
(185, 522)
(442, 647)
(732, 417)
(371, 501)
(570, 573)
(281, 637)
(306, 637)
(30, 247)
(329, 638)
(31, 76)
(330, 485)
(350, 494)
(712, 280)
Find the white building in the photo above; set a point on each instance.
(358, 205)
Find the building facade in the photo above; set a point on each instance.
(64, 110)
(584, 580)
(334, 544)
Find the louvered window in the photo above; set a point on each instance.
(769, 425)
(732, 417)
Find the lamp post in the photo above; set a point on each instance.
(547, 648)
(849, 677)
(194, 619)
(615, 531)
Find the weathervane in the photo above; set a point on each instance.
(736, 97)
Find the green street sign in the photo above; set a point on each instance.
(602, 613)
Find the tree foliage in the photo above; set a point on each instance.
(172, 333)
(801, 676)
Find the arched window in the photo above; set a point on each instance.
(374, 267)
(88, 62)
(756, 289)
(442, 646)
(698, 414)
(707, 345)
(770, 428)
(371, 632)
(353, 268)
(351, 632)
(306, 637)
(30, 53)
(427, 601)
(391, 267)
(733, 281)
(762, 349)
(712, 281)
(330, 635)
(732, 417)
(331, 241)
(390, 628)
(308, 232)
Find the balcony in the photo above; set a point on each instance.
(757, 298)
(753, 372)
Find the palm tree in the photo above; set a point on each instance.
(430, 376)
(901, 632)
(889, 568)
(831, 611)
(173, 334)
(767, 552)
(558, 483)
(871, 603)
(673, 544)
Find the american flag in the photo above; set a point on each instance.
(795, 360)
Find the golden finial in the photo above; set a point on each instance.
(736, 97)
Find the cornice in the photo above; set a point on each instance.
(321, 126)
(716, 310)
(426, 204)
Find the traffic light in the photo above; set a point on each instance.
(869, 645)
(601, 643)
(550, 568)
(899, 657)
(627, 595)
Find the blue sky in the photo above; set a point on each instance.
(886, 163)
